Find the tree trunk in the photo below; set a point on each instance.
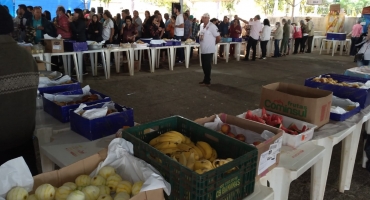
(315, 10)
(276, 6)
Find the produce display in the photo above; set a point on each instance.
(199, 157)
(84, 99)
(330, 80)
(140, 42)
(275, 121)
(100, 187)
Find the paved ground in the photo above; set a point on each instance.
(236, 87)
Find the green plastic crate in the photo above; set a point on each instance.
(186, 184)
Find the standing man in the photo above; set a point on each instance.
(19, 75)
(179, 30)
(123, 15)
(62, 24)
(310, 27)
(138, 23)
(187, 27)
(167, 18)
(224, 32)
(208, 38)
(255, 30)
(26, 15)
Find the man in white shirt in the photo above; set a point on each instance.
(208, 38)
(138, 23)
(310, 34)
(108, 27)
(179, 30)
(254, 35)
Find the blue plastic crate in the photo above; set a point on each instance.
(101, 127)
(226, 39)
(237, 39)
(155, 45)
(336, 36)
(62, 112)
(357, 74)
(361, 96)
(72, 45)
(176, 43)
(60, 88)
(343, 117)
(169, 43)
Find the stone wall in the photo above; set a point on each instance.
(319, 22)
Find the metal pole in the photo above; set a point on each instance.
(181, 4)
(293, 7)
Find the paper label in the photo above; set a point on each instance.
(268, 158)
(76, 150)
(56, 47)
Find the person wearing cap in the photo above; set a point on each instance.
(310, 27)
(208, 38)
(20, 76)
(355, 37)
(254, 35)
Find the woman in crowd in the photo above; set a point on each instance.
(146, 25)
(297, 36)
(47, 15)
(285, 41)
(155, 30)
(363, 55)
(129, 31)
(108, 27)
(171, 27)
(95, 30)
(160, 20)
(78, 26)
(355, 37)
(304, 30)
(265, 37)
(235, 31)
(278, 35)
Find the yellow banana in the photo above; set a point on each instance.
(203, 164)
(165, 145)
(207, 149)
(214, 155)
(202, 171)
(200, 153)
(169, 150)
(191, 161)
(182, 159)
(184, 147)
(161, 138)
(175, 133)
(174, 158)
(187, 140)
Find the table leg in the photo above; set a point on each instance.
(96, 63)
(150, 59)
(319, 171)
(140, 55)
(158, 58)
(136, 55)
(47, 59)
(154, 56)
(341, 47)
(103, 60)
(169, 59)
(364, 157)
(187, 61)
(238, 48)
(313, 43)
(117, 56)
(227, 49)
(349, 151)
(329, 43)
(65, 65)
(280, 181)
(78, 65)
(215, 55)
(132, 61)
(92, 63)
(44, 135)
(172, 56)
(107, 58)
(334, 48)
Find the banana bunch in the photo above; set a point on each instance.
(198, 157)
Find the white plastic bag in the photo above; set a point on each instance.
(14, 173)
(120, 156)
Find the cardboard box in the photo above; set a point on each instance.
(68, 174)
(54, 45)
(264, 149)
(41, 65)
(299, 102)
(288, 139)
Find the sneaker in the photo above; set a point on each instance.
(264, 58)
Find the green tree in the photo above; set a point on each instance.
(267, 6)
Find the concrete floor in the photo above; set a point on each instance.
(235, 88)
